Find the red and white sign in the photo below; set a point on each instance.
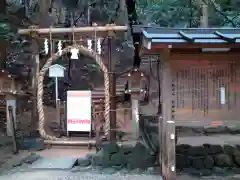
(79, 111)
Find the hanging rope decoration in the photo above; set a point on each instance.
(54, 56)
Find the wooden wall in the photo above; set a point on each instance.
(197, 79)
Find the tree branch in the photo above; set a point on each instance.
(217, 8)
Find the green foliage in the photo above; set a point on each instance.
(175, 13)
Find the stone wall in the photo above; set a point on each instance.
(196, 160)
(208, 159)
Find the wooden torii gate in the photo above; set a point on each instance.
(109, 75)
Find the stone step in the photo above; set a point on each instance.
(55, 163)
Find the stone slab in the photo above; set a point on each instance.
(55, 163)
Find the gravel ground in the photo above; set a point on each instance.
(68, 175)
(23, 172)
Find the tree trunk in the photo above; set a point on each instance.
(204, 14)
(43, 21)
(3, 43)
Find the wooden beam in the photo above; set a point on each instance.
(205, 56)
(79, 30)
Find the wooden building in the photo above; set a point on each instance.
(200, 82)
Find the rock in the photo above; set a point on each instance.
(233, 129)
(155, 141)
(182, 161)
(236, 170)
(16, 164)
(110, 147)
(197, 162)
(90, 156)
(208, 162)
(31, 158)
(84, 162)
(109, 170)
(236, 159)
(118, 158)
(126, 149)
(135, 161)
(216, 130)
(213, 149)
(197, 151)
(182, 148)
(223, 160)
(101, 159)
(228, 149)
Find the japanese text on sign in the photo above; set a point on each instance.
(79, 121)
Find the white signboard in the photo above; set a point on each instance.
(79, 111)
(56, 70)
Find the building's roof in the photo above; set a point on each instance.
(189, 35)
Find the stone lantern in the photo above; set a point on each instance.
(137, 88)
(10, 89)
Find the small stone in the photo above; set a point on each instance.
(17, 164)
(109, 170)
(117, 167)
(219, 171)
(151, 170)
(137, 171)
(124, 171)
(83, 162)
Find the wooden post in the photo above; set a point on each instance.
(167, 125)
(58, 116)
(135, 117)
(112, 90)
(34, 74)
(13, 129)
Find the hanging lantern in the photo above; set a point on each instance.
(137, 82)
(74, 52)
